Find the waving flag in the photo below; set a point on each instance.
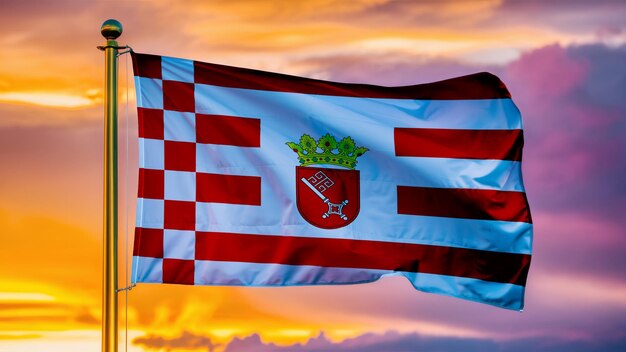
(261, 179)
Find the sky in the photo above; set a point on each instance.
(563, 61)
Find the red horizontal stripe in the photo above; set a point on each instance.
(347, 253)
(228, 130)
(476, 86)
(464, 144)
(464, 203)
(232, 189)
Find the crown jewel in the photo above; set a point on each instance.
(343, 153)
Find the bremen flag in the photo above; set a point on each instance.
(262, 179)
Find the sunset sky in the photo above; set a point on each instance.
(563, 61)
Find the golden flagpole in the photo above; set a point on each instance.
(111, 30)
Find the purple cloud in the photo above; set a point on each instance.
(575, 120)
(573, 16)
(389, 70)
(391, 341)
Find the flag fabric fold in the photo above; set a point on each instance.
(262, 179)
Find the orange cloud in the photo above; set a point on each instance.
(49, 99)
(47, 71)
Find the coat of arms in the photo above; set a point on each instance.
(327, 197)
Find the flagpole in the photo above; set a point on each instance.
(111, 30)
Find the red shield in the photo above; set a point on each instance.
(327, 198)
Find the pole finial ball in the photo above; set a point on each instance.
(111, 29)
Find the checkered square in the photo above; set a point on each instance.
(180, 156)
(179, 126)
(179, 244)
(149, 67)
(152, 184)
(177, 271)
(150, 93)
(178, 96)
(147, 269)
(150, 123)
(150, 213)
(152, 154)
(174, 69)
(179, 215)
(180, 185)
(148, 243)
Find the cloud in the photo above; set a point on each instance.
(37, 316)
(186, 340)
(389, 341)
(46, 99)
(605, 76)
(454, 13)
(568, 16)
(267, 35)
(37, 289)
(548, 73)
(359, 12)
(575, 123)
(385, 69)
(18, 336)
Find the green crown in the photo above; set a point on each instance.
(343, 153)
